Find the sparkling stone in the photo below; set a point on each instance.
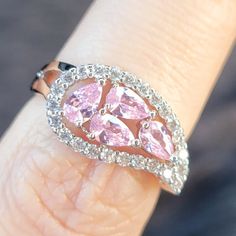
(130, 80)
(115, 74)
(101, 71)
(57, 90)
(52, 104)
(165, 110)
(182, 170)
(68, 78)
(167, 173)
(65, 136)
(127, 104)
(183, 154)
(156, 140)
(156, 99)
(54, 121)
(152, 165)
(94, 152)
(107, 156)
(110, 130)
(144, 89)
(138, 162)
(177, 184)
(77, 144)
(83, 103)
(123, 159)
(83, 147)
(82, 71)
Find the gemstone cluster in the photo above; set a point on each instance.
(127, 99)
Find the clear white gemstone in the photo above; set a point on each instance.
(183, 154)
(133, 161)
(138, 162)
(123, 159)
(57, 90)
(144, 90)
(65, 136)
(83, 149)
(182, 170)
(130, 80)
(77, 144)
(94, 152)
(108, 156)
(172, 123)
(177, 183)
(115, 74)
(152, 165)
(155, 99)
(54, 121)
(82, 71)
(68, 78)
(167, 173)
(52, 104)
(100, 71)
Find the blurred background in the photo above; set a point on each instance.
(32, 33)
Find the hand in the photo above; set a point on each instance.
(178, 47)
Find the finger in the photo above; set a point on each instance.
(177, 46)
(47, 189)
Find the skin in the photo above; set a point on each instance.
(179, 47)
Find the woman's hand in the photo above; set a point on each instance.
(179, 47)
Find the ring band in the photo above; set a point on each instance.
(109, 114)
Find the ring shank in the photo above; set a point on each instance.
(47, 75)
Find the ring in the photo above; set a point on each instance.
(109, 114)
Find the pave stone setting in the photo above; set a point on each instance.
(172, 171)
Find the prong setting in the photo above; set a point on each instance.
(153, 114)
(40, 74)
(91, 136)
(145, 125)
(102, 82)
(136, 143)
(102, 111)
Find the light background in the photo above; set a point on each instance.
(31, 34)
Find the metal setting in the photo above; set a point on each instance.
(172, 173)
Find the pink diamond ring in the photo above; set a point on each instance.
(109, 114)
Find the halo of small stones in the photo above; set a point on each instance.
(172, 173)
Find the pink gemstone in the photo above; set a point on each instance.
(83, 103)
(156, 139)
(110, 130)
(127, 104)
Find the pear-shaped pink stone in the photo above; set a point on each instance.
(156, 139)
(127, 104)
(110, 130)
(82, 103)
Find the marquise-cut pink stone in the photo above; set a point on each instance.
(83, 103)
(110, 130)
(127, 104)
(156, 139)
